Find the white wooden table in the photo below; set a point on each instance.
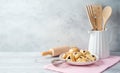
(32, 62)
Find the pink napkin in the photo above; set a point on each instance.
(98, 67)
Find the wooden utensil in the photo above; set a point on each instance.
(107, 11)
(91, 16)
(97, 10)
(56, 51)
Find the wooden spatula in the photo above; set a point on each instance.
(99, 17)
(107, 11)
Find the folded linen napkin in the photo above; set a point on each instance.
(97, 67)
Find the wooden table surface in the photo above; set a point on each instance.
(32, 62)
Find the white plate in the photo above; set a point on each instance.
(80, 63)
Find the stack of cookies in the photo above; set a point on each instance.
(78, 55)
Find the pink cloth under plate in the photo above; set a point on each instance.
(97, 67)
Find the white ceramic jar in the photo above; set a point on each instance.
(98, 44)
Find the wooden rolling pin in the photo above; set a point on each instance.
(56, 51)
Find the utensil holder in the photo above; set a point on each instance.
(98, 44)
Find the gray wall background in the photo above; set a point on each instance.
(36, 25)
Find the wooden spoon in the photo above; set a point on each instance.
(107, 11)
